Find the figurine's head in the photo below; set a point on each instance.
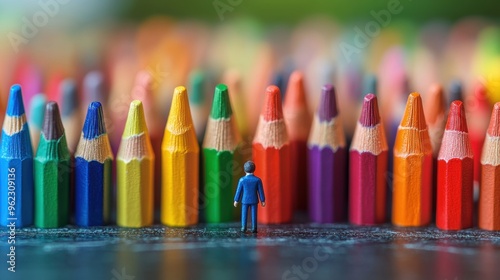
(249, 166)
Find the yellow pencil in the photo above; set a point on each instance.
(180, 157)
(135, 171)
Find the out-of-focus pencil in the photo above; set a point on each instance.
(199, 103)
(93, 168)
(220, 163)
(135, 172)
(16, 164)
(455, 91)
(298, 123)
(489, 195)
(271, 155)
(52, 172)
(327, 159)
(37, 111)
(71, 113)
(455, 173)
(180, 162)
(412, 185)
(435, 115)
(368, 167)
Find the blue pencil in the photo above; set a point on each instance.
(16, 165)
(93, 160)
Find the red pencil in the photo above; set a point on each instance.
(489, 196)
(455, 173)
(368, 167)
(298, 123)
(271, 154)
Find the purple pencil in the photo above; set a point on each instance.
(327, 162)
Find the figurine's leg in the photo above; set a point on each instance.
(254, 217)
(244, 212)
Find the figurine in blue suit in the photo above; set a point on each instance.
(248, 193)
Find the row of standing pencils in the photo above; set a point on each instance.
(304, 163)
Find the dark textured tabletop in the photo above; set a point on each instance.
(298, 251)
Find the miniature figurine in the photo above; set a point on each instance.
(249, 191)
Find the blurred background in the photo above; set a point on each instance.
(143, 49)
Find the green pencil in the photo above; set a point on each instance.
(52, 172)
(219, 146)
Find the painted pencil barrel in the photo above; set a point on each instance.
(135, 172)
(327, 185)
(180, 162)
(272, 167)
(16, 165)
(367, 196)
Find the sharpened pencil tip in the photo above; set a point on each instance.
(414, 113)
(179, 119)
(456, 117)
(494, 126)
(272, 110)
(94, 121)
(136, 122)
(15, 106)
(369, 113)
(327, 104)
(52, 125)
(435, 105)
(221, 107)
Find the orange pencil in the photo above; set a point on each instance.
(489, 196)
(412, 186)
(298, 123)
(271, 154)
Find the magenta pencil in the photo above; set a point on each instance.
(368, 167)
(327, 160)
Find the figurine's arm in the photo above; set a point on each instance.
(239, 192)
(261, 193)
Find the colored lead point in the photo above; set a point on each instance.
(180, 159)
(219, 147)
(368, 167)
(412, 182)
(271, 154)
(93, 166)
(455, 173)
(489, 196)
(16, 165)
(52, 172)
(135, 172)
(327, 159)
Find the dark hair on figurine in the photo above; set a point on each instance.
(249, 166)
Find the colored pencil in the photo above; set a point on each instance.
(180, 161)
(455, 173)
(199, 103)
(93, 164)
(16, 165)
(435, 113)
(70, 111)
(478, 113)
(489, 195)
(233, 81)
(327, 160)
(298, 123)
(135, 172)
(368, 167)
(271, 155)
(37, 110)
(219, 147)
(52, 172)
(412, 185)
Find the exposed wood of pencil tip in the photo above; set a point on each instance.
(369, 135)
(271, 130)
